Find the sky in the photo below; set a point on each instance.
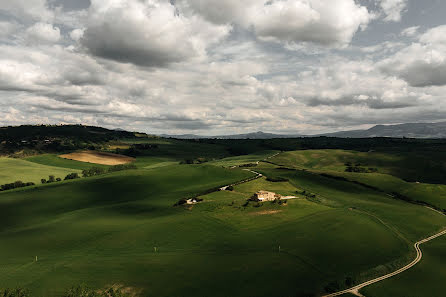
(213, 67)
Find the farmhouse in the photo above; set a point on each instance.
(266, 196)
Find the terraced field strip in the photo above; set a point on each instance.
(355, 289)
(98, 158)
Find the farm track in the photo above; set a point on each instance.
(355, 290)
(258, 175)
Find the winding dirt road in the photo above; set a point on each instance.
(355, 289)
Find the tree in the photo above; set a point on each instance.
(73, 175)
(58, 179)
(43, 181)
(51, 179)
(19, 292)
(349, 281)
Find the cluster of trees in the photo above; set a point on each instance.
(79, 291)
(73, 175)
(93, 171)
(51, 179)
(276, 179)
(248, 165)
(335, 286)
(15, 185)
(306, 194)
(358, 168)
(184, 201)
(138, 149)
(54, 138)
(195, 161)
(19, 292)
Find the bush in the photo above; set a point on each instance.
(276, 179)
(248, 165)
(14, 293)
(122, 167)
(181, 202)
(51, 179)
(58, 179)
(73, 175)
(15, 185)
(43, 181)
(230, 188)
(93, 171)
(332, 287)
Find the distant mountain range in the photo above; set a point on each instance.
(414, 130)
(411, 130)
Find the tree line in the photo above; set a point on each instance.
(78, 291)
(93, 171)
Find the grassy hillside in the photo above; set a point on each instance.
(104, 230)
(426, 279)
(12, 170)
(411, 166)
(123, 228)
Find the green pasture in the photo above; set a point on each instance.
(12, 170)
(104, 230)
(412, 166)
(433, 194)
(243, 159)
(123, 228)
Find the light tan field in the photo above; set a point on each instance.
(98, 158)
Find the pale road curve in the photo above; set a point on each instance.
(355, 290)
(258, 175)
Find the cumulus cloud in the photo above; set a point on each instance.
(288, 20)
(148, 33)
(27, 10)
(393, 9)
(310, 21)
(77, 34)
(423, 63)
(43, 33)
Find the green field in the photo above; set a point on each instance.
(123, 228)
(12, 170)
(412, 166)
(244, 159)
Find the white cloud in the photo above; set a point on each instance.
(423, 63)
(43, 33)
(411, 31)
(288, 20)
(393, 9)
(310, 21)
(147, 33)
(28, 10)
(77, 34)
